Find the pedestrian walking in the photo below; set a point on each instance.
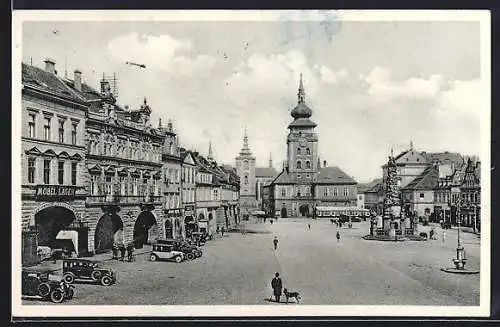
(338, 237)
(130, 253)
(122, 252)
(275, 242)
(271, 221)
(222, 231)
(444, 236)
(115, 251)
(277, 285)
(217, 230)
(309, 225)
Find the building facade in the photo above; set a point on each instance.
(171, 187)
(245, 168)
(470, 192)
(303, 183)
(264, 176)
(53, 161)
(188, 193)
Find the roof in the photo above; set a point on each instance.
(302, 122)
(367, 187)
(333, 175)
(265, 172)
(427, 180)
(42, 80)
(444, 157)
(284, 178)
(301, 111)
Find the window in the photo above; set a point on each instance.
(335, 191)
(308, 164)
(283, 192)
(60, 172)
(73, 173)
(307, 175)
(298, 193)
(298, 150)
(61, 131)
(94, 182)
(325, 191)
(31, 126)
(245, 164)
(108, 186)
(31, 170)
(46, 171)
(299, 165)
(346, 191)
(421, 195)
(73, 134)
(246, 179)
(46, 129)
(308, 151)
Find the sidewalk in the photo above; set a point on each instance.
(49, 265)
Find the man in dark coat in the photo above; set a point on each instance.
(275, 242)
(277, 285)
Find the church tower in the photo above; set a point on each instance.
(245, 168)
(302, 141)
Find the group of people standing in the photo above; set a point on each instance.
(129, 250)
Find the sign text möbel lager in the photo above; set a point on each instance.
(55, 192)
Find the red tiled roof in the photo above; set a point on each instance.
(265, 172)
(42, 80)
(333, 175)
(427, 180)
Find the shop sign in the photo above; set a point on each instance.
(55, 192)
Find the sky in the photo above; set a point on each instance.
(371, 85)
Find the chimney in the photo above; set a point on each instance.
(105, 86)
(78, 80)
(324, 163)
(478, 165)
(50, 65)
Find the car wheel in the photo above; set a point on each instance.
(70, 294)
(106, 281)
(69, 278)
(96, 275)
(153, 257)
(198, 253)
(56, 296)
(44, 289)
(178, 259)
(190, 256)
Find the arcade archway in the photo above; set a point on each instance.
(50, 221)
(283, 213)
(145, 226)
(304, 210)
(109, 229)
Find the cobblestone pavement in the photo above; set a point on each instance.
(237, 269)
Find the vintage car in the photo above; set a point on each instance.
(39, 284)
(199, 238)
(166, 252)
(190, 251)
(82, 269)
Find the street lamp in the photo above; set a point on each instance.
(460, 260)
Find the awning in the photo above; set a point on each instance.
(69, 235)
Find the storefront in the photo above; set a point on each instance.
(190, 224)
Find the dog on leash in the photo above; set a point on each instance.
(292, 295)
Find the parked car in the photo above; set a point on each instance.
(39, 284)
(82, 269)
(190, 251)
(199, 237)
(166, 252)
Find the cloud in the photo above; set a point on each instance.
(162, 52)
(383, 87)
(328, 76)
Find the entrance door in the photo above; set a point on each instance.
(283, 213)
(109, 230)
(304, 210)
(143, 224)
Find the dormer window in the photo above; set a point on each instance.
(308, 151)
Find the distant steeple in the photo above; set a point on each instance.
(245, 150)
(159, 122)
(302, 93)
(210, 155)
(270, 160)
(411, 145)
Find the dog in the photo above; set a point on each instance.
(295, 295)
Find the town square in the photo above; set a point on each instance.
(197, 163)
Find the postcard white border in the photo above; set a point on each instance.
(19, 310)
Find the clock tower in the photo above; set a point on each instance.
(245, 168)
(302, 142)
